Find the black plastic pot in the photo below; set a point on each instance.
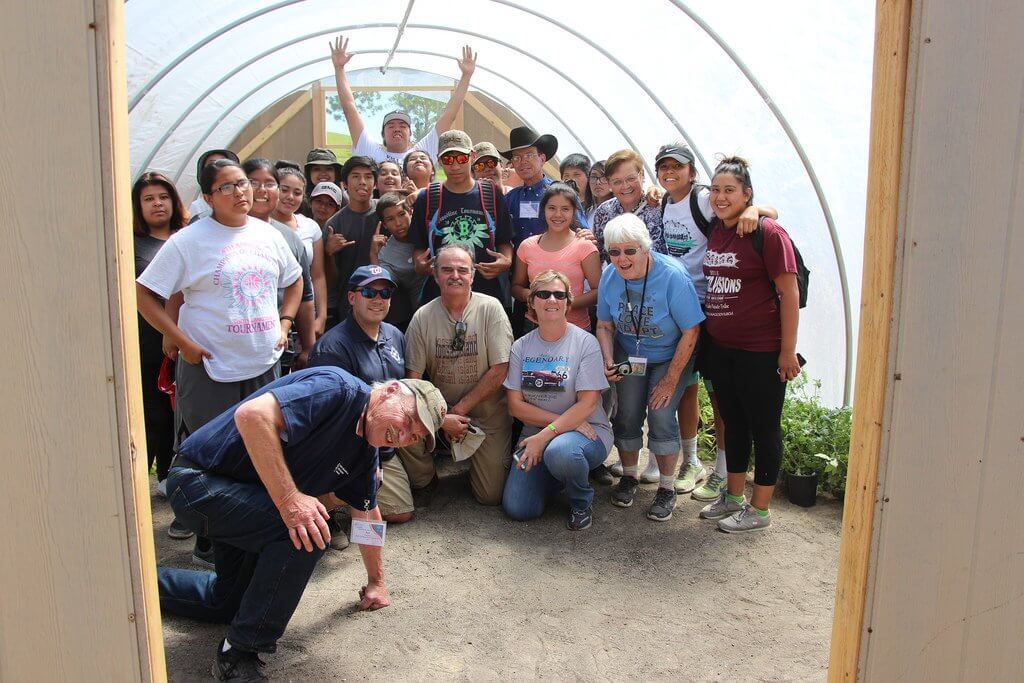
(802, 489)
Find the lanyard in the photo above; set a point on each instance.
(637, 319)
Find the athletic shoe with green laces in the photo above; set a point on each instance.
(712, 488)
(723, 507)
(746, 520)
(689, 477)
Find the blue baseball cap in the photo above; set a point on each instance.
(364, 275)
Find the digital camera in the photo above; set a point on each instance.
(623, 368)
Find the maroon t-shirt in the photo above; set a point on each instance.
(741, 307)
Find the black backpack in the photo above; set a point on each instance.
(698, 216)
(803, 273)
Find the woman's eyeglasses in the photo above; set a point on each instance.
(598, 179)
(481, 164)
(449, 159)
(229, 188)
(621, 182)
(269, 185)
(630, 251)
(459, 340)
(547, 294)
(371, 293)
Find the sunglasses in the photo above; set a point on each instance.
(459, 340)
(371, 293)
(481, 164)
(631, 251)
(449, 159)
(547, 294)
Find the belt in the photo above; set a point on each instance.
(181, 461)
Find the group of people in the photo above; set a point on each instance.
(335, 328)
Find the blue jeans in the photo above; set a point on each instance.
(567, 462)
(633, 393)
(260, 576)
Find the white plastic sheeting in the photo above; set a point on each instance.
(599, 75)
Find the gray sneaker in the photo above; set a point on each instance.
(723, 507)
(745, 520)
(622, 494)
(663, 505)
(580, 519)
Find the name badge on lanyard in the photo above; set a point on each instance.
(529, 209)
(366, 532)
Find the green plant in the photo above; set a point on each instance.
(815, 438)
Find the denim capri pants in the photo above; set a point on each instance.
(633, 394)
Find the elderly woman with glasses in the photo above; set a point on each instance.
(624, 171)
(648, 321)
(554, 384)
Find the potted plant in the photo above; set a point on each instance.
(802, 473)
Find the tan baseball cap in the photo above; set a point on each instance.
(430, 406)
(454, 141)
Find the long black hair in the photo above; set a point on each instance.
(179, 216)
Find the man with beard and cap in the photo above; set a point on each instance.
(199, 208)
(259, 480)
(397, 127)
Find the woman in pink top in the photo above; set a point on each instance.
(559, 249)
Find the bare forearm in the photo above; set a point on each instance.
(585, 300)
(486, 387)
(154, 313)
(684, 349)
(606, 340)
(447, 117)
(767, 211)
(373, 555)
(173, 306)
(307, 324)
(292, 298)
(260, 435)
(789, 311)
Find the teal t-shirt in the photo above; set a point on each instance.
(670, 305)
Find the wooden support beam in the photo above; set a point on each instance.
(394, 88)
(319, 116)
(892, 41)
(279, 121)
(478, 105)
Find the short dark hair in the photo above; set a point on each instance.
(256, 163)
(179, 216)
(582, 162)
(283, 171)
(209, 173)
(387, 201)
(353, 163)
(281, 164)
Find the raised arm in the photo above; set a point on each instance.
(466, 65)
(340, 56)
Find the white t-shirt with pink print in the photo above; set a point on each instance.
(229, 277)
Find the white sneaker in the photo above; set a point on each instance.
(651, 475)
(161, 488)
(616, 468)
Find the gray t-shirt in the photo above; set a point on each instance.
(550, 373)
(357, 227)
(397, 258)
(299, 252)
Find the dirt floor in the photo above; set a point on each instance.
(476, 596)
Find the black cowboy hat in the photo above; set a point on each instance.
(523, 136)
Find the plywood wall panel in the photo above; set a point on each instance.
(947, 568)
(70, 600)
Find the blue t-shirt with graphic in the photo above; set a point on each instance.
(322, 408)
(461, 220)
(670, 305)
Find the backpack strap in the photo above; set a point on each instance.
(488, 198)
(757, 237)
(703, 224)
(434, 195)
